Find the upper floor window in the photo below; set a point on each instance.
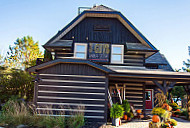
(80, 50)
(117, 54)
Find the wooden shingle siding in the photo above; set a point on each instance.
(72, 85)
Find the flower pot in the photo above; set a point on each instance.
(115, 122)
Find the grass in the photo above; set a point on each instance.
(15, 113)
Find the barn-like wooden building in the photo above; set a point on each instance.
(101, 58)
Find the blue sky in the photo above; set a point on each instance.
(165, 23)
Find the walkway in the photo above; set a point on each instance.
(145, 124)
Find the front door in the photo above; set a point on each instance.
(149, 98)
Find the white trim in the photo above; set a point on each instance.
(100, 117)
(71, 81)
(74, 110)
(71, 104)
(68, 98)
(85, 52)
(72, 75)
(122, 54)
(57, 86)
(43, 91)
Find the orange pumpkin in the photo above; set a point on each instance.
(125, 117)
(178, 110)
(169, 108)
(155, 119)
(139, 111)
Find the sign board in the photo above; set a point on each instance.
(99, 52)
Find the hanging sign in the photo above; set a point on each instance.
(99, 52)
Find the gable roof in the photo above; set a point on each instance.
(77, 61)
(102, 11)
(160, 59)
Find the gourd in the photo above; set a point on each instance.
(139, 111)
(125, 117)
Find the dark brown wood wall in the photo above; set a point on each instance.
(116, 32)
(134, 59)
(73, 85)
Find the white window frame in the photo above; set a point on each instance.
(122, 53)
(75, 52)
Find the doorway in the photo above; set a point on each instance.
(149, 98)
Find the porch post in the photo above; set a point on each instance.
(187, 89)
(144, 101)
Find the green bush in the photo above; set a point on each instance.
(130, 114)
(158, 111)
(185, 113)
(116, 111)
(126, 106)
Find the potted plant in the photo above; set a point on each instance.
(116, 112)
(127, 108)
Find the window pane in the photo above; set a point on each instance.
(80, 48)
(117, 50)
(80, 55)
(116, 58)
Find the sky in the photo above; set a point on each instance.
(165, 23)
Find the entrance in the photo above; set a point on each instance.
(149, 98)
(115, 95)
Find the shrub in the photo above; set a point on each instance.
(130, 114)
(116, 111)
(76, 119)
(15, 113)
(158, 111)
(126, 106)
(185, 113)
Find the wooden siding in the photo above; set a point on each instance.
(72, 69)
(70, 86)
(134, 94)
(117, 33)
(134, 60)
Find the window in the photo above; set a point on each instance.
(80, 50)
(117, 54)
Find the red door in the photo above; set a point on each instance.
(149, 98)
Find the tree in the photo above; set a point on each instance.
(23, 53)
(178, 92)
(17, 83)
